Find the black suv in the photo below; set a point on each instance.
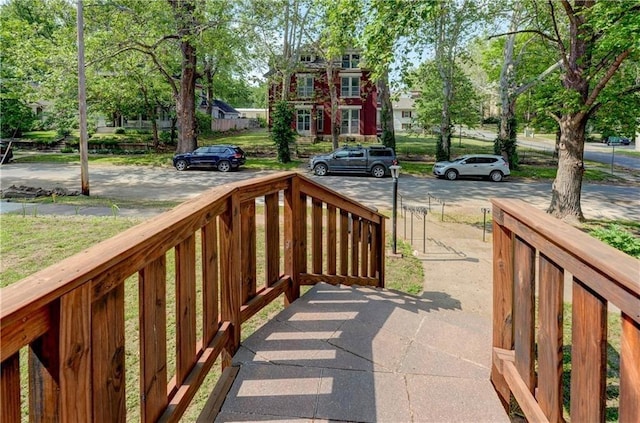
(374, 160)
(223, 157)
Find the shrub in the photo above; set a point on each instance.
(491, 120)
(119, 131)
(63, 132)
(204, 123)
(281, 132)
(66, 150)
(618, 238)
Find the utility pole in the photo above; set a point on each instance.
(82, 106)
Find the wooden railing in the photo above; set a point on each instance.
(532, 253)
(70, 316)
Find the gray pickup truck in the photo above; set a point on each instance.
(374, 160)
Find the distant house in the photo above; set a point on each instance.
(404, 113)
(221, 110)
(309, 94)
(252, 113)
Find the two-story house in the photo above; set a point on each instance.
(309, 94)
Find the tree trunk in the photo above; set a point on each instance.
(154, 130)
(335, 116)
(185, 96)
(208, 74)
(185, 103)
(567, 186)
(443, 149)
(386, 114)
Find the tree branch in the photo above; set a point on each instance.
(523, 31)
(553, 116)
(563, 51)
(607, 76)
(543, 75)
(594, 108)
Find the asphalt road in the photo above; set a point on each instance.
(598, 201)
(596, 152)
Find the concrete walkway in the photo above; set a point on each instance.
(368, 355)
(365, 355)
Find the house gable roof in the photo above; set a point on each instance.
(224, 106)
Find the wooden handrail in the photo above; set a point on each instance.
(71, 315)
(532, 253)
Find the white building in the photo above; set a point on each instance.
(404, 113)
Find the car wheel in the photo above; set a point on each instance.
(181, 165)
(224, 166)
(496, 176)
(320, 169)
(451, 174)
(378, 171)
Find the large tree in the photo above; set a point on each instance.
(464, 104)
(443, 27)
(592, 40)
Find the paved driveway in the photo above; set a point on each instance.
(598, 201)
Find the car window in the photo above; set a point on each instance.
(358, 153)
(487, 160)
(380, 153)
(471, 160)
(342, 154)
(201, 150)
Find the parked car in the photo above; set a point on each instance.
(485, 165)
(617, 141)
(374, 160)
(6, 152)
(223, 157)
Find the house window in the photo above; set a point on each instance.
(350, 121)
(320, 121)
(350, 61)
(305, 86)
(306, 58)
(303, 120)
(350, 86)
(406, 126)
(406, 113)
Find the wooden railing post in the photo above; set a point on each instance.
(524, 313)
(231, 274)
(75, 356)
(153, 339)
(292, 222)
(550, 339)
(629, 371)
(44, 373)
(10, 389)
(185, 307)
(502, 299)
(588, 354)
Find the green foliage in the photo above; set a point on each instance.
(63, 132)
(119, 131)
(16, 117)
(464, 107)
(204, 123)
(281, 132)
(262, 121)
(619, 238)
(508, 146)
(443, 154)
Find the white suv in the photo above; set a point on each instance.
(486, 165)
